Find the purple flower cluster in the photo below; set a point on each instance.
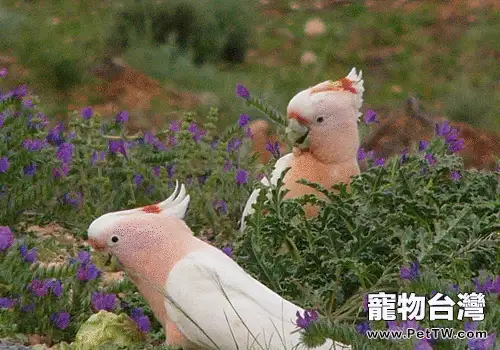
(30, 169)
(73, 199)
(141, 320)
(138, 179)
(86, 112)
(273, 149)
(97, 157)
(34, 144)
(411, 272)
(65, 152)
(362, 154)
(103, 301)
(363, 327)
(28, 255)
(121, 117)
(87, 271)
(306, 320)
(220, 206)
(152, 140)
(370, 117)
(54, 136)
(60, 319)
(41, 288)
(489, 285)
(241, 176)
(450, 135)
(198, 133)
(117, 146)
(228, 251)
(479, 343)
(7, 303)
(6, 237)
(422, 145)
(242, 92)
(233, 145)
(243, 120)
(4, 164)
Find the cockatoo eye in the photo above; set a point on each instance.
(320, 120)
(114, 239)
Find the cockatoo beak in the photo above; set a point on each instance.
(297, 131)
(96, 245)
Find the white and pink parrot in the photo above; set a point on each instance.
(323, 127)
(203, 298)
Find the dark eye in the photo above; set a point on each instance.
(320, 120)
(114, 239)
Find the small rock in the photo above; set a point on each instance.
(308, 58)
(314, 27)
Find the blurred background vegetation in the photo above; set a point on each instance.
(155, 58)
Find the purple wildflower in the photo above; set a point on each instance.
(172, 140)
(156, 170)
(4, 164)
(242, 92)
(61, 171)
(482, 344)
(138, 179)
(429, 157)
(3, 72)
(149, 190)
(443, 129)
(39, 288)
(86, 112)
(30, 169)
(362, 328)
(304, 322)
(141, 320)
(28, 104)
(7, 303)
(488, 285)
(233, 145)
(228, 251)
(379, 162)
(121, 117)
(243, 120)
(455, 175)
(97, 157)
(422, 145)
(54, 136)
(454, 287)
(28, 307)
(71, 135)
(117, 146)
(361, 154)
(56, 288)
(273, 149)
(370, 117)
(103, 301)
(241, 176)
(72, 199)
(28, 255)
(170, 171)
(411, 272)
(365, 303)
(175, 126)
(495, 286)
(221, 206)
(87, 271)
(404, 156)
(227, 166)
(2, 119)
(6, 237)
(38, 122)
(34, 144)
(60, 319)
(456, 146)
(422, 344)
(65, 152)
(152, 140)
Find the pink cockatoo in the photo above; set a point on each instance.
(323, 127)
(204, 299)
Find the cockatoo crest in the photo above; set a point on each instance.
(352, 83)
(176, 206)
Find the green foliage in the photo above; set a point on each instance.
(210, 30)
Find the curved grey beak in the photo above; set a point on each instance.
(297, 134)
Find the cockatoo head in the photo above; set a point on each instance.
(123, 232)
(324, 117)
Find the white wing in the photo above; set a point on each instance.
(280, 166)
(216, 304)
